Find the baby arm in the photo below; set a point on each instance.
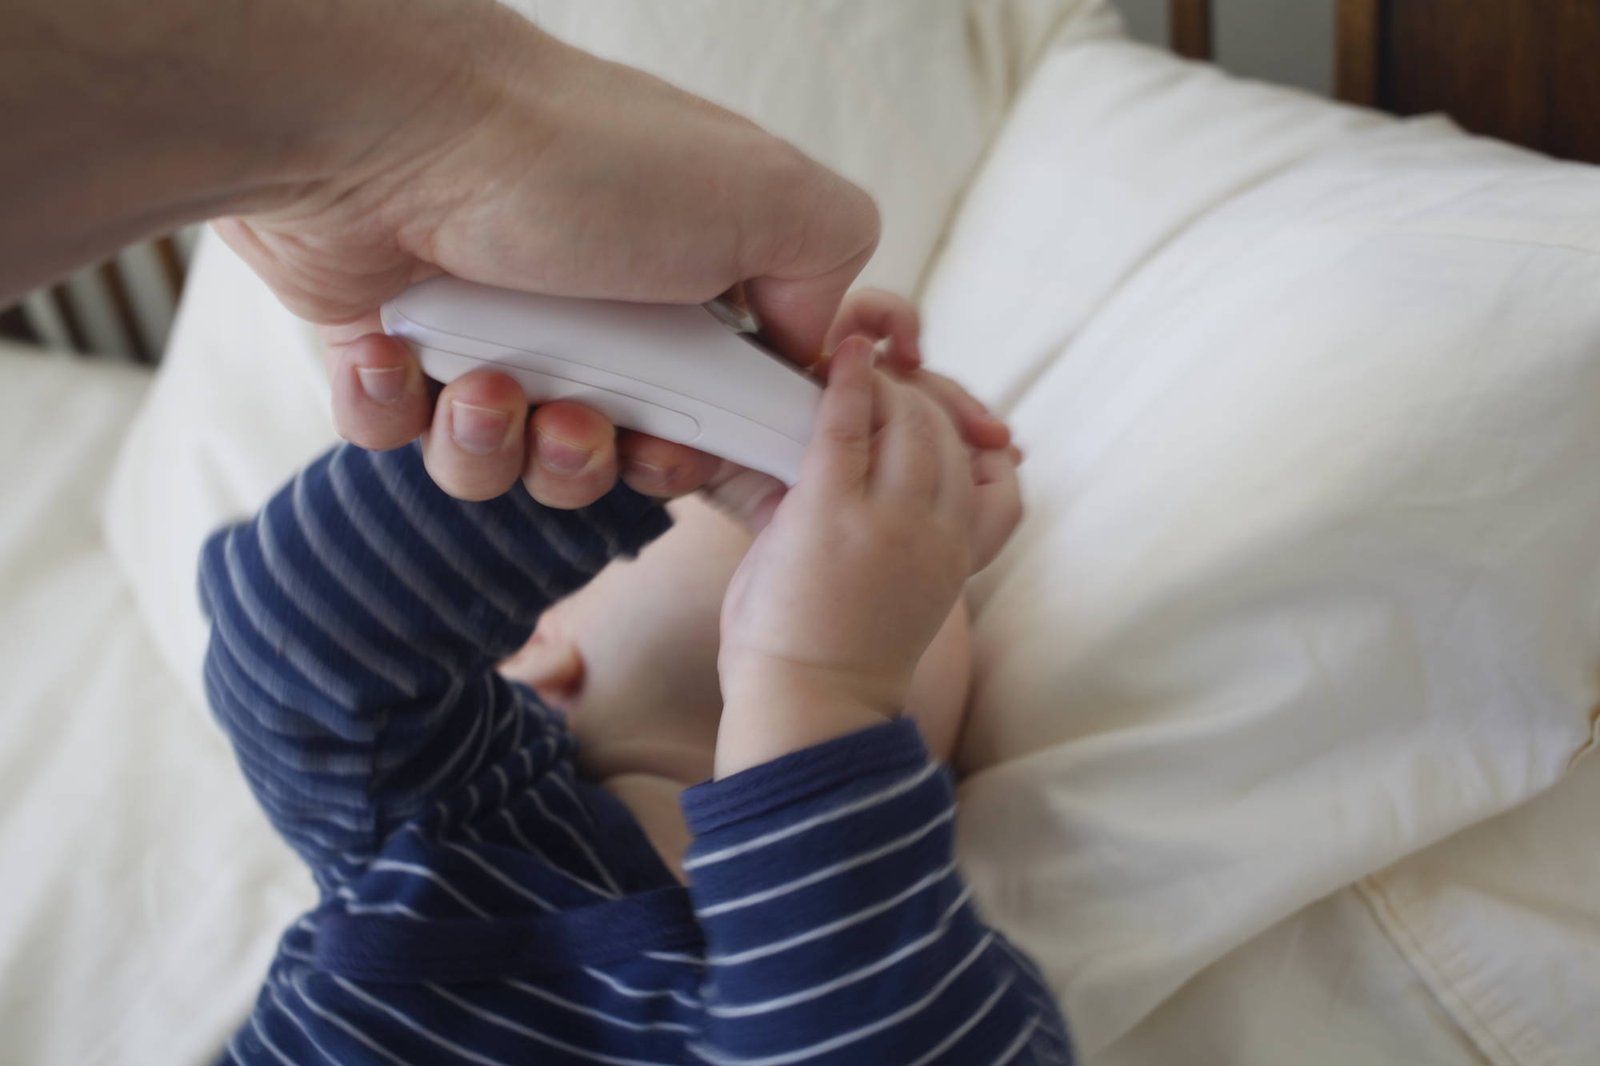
(837, 923)
(356, 621)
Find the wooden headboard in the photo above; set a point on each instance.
(1525, 71)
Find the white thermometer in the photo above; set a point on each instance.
(679, 372)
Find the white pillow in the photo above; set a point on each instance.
(1480, 949)
(903, 96)
(239, 403)
(900, 96)
(141, 877)
(1113, 149)
(1311, 576)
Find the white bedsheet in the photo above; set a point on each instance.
(143, 892)
(1145, 858)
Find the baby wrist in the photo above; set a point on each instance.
(773, 709)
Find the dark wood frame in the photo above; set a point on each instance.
(1525, 71)
(1191, 28)
(1356, 45)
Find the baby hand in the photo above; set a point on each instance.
(893, 325)
(861, 563)
(890, 321)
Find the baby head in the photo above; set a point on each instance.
(632, 657)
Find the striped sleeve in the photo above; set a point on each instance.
(356, 622)
(838, 928)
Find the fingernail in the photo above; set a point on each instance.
(648, 475)
(562, 457)
(857, 346)
(479, 430)
(382, 384)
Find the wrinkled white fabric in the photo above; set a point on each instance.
(1481, 949)
(1307, 595)
(144, 892)
(1310, 579)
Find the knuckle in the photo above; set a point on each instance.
(471, 485)
(561, 494)
(1011, 517)
(655, 480)
(917, 418)
(997, 525)
(383, 438)
(843, 437)
(356, 429)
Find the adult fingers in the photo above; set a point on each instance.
(380, 396)
(571, 455)
(659, 467)
(474, 448)
(748, 496)
(808, 235)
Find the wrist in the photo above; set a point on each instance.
(144, 117)
(377, 89)
(773, 708)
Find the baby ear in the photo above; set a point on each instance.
(550, 665)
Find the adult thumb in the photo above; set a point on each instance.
(795, 315)
(822, 247)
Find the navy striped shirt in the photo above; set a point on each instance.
(481, 902)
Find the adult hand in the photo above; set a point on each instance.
(537, 166)
(358, 146)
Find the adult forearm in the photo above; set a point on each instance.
(124, 118)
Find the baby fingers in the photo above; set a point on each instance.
(979, 427)
(839, 457)
(883, 317)
(997, 504)
(921, 461)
